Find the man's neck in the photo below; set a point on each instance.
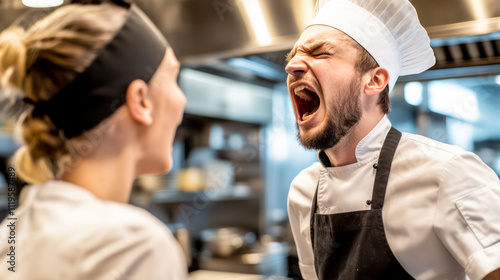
(344, 153)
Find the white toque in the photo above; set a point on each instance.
(388, 29)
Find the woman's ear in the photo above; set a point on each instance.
(379, 78)
(138, 103)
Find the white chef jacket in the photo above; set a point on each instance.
(441, 212)
(64, 232)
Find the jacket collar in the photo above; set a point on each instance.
(369, 146)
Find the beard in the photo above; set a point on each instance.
(341, 117)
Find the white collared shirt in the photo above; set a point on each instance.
(64, 232)
(441, 212)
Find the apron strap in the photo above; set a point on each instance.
(384, 167)
(313, 211)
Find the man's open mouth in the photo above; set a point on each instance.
(307, 102)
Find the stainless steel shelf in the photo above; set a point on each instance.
(174, 196)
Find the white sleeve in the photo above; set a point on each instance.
(299, 211)
(143, 251)
(467, 218)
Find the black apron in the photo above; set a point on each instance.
(353, 245)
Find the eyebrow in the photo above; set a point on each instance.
(308, 48)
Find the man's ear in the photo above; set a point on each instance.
(138, 103)
(379, 78)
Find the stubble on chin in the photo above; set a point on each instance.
(343, 115)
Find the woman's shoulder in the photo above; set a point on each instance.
(126, 216)
(118, 221)
(59, 210)
(130, 237)
(91, 235)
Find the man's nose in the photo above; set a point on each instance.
(297, 66)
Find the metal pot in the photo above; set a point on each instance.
(226, 242)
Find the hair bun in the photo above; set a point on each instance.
(12, 57)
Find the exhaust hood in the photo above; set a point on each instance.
(457, 18)
(204, 31)
(209, 32)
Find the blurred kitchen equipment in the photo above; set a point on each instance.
(201, 156)
(219, 175)
(206, 275)
(226, 242)
(266, 258)
(149, 183)
(191, 179)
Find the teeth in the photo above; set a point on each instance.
(299, 91)
(306, 116)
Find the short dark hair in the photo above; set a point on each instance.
(365, 63)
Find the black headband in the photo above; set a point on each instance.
(135, 52)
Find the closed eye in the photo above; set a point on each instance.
(320, 54)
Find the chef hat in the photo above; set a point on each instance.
(388, 29)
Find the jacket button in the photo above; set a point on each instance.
(369, 202)
(375, 165)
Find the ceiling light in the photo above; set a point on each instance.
(414, 92)
(257, 21)
(450, 98)
(258, 67)
(478, 9)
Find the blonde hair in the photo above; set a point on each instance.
(39, 62)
